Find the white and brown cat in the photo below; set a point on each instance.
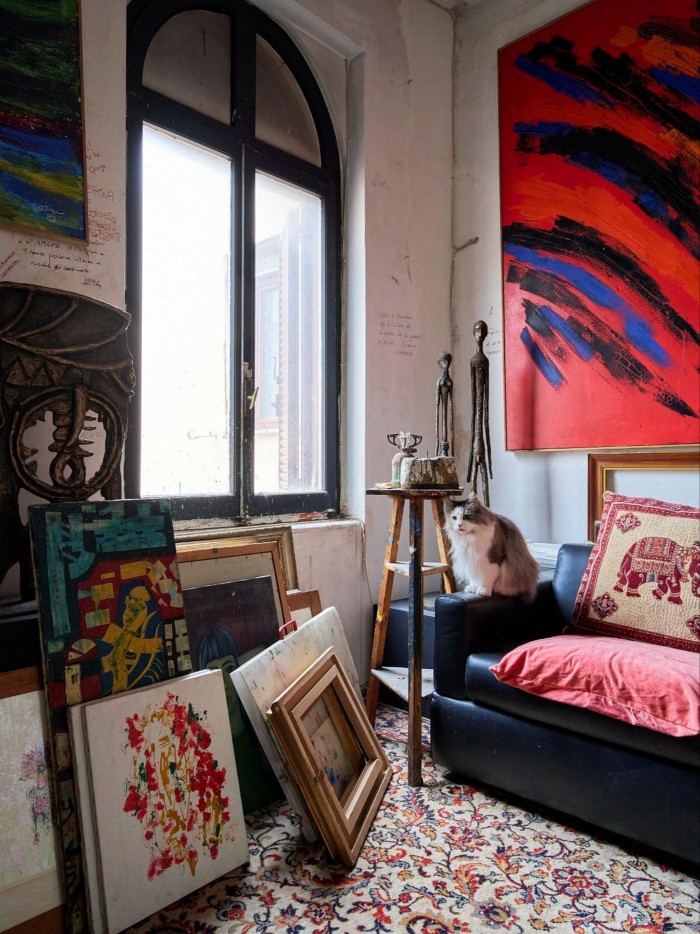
(489, 553)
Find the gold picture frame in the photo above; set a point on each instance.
(248, 535)
(600, 466)
(226, 560)
(333, 754)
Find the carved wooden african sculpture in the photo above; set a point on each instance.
(66, 373)
(480, 455)
(444, 410)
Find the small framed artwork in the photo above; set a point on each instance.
(333, 752)
(236, 618)
(227, 560)
(303, 605)
(260, 681)
(281, 535)
(642, 473)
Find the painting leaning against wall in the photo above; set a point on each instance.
(111, 619)
(599, 191)
(42, 164)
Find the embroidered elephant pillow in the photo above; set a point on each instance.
(643, 576)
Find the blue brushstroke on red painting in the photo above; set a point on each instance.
(599, 123)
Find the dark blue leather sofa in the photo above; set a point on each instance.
(626, 780)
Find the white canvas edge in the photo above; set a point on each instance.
(83, 795)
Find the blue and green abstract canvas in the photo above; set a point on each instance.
(42, 163)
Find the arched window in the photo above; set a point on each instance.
(233, 247)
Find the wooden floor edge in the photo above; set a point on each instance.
(50, 922)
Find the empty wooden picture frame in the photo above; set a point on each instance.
(303, 605)
(249, 535)
(333, 753)
(652, 465)
(226, 560)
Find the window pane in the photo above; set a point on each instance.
(189, 61)
(282, 115)
(289, 440)
(185, 382)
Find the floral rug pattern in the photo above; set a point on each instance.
(439, 859)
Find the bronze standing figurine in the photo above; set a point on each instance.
(444, 413)
(480, 455)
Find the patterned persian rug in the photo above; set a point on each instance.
(439, 859)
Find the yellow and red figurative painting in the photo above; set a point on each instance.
(111, 619)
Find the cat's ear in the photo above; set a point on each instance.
(472, 498)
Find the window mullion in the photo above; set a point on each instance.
(242, 69)
(247, 375)
(236, 440)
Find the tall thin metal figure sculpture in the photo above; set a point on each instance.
(444, 411)
(480, 456)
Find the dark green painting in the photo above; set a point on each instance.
(42, 170)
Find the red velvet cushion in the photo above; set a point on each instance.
(654, 686)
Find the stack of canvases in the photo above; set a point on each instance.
(149, 793)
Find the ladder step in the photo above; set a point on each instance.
(396, 679)
(430, 567)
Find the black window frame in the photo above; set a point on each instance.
(237, 140)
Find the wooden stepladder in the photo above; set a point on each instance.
(399, 680)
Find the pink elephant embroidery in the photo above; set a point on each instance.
(660, 561)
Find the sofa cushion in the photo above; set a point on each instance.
(484, 688)
(654, 686)
(643, 576)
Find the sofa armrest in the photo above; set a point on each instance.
(466, 623)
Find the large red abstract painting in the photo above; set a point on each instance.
(599, 115)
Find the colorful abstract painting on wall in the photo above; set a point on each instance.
(42, 165)
(601, 253)
(111, 619)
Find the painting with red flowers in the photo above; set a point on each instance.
(163, 791)
(598, 119)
